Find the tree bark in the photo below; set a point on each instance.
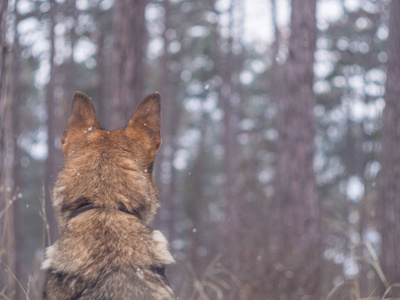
(16, 102)
(51, 163)
(70, 84)
(197, 207)
(230, 102)
(7, 183)
(8, 200)
(101, 78)
(390, 158)
(164, 171)
(294, 211)
(128, 56)
(3, 51)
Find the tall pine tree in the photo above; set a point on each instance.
(294, 210)
(390, 159)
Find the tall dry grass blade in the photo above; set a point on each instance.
(370, 295)
(9, 203)
(228, 273)
(215, 288)
(374, 262)
(4, 296)
(195, 282)
(394, 285)
(3, 234)
(335, 288)
(211, 280)
(346, 230)
(29, 285)
(4, 210)
(223, 283)
(354, 276)
(341, 226)
(200, 290)
(43, 215)
(211, 265)
(19, 282)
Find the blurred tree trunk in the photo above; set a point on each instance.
(7, 183)
(51, 162)
(3, 111)
(390, 159)
(230, 125)
(62, 104)
(227, 64)
(128, 57)
(295, 214)
(101, 78)
(7, 235)
(16, 102)
(3, 51)
(70, 82)
(164, 171)
(198, 207)
(277, 87)
(277, 78)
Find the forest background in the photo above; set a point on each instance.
(279, 173)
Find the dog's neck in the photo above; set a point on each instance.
(88, 206)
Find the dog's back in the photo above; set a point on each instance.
(104, 198)
(113, 283)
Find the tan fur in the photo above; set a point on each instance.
(104, 252)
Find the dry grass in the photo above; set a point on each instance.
(215, 282)
(16, 279)
(46, 227)
(34, 288)
(3, 213)
(371, 260)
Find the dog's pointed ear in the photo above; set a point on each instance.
(144, 127)
(83, 117)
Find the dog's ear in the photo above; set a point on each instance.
(144, 125)
(83, 118)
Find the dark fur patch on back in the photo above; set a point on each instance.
(81, 201)
(160, 271)
(123, 208)
(61, 279)
(81, 209)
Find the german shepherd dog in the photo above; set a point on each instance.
(104, 200)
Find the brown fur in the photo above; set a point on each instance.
(105, 252)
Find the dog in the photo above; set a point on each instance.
(104, 199)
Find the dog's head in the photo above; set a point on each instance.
(109, 169)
